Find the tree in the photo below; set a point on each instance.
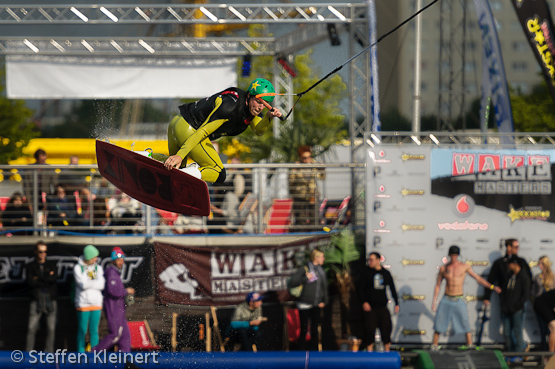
(16, 128)
(94, 118)
(392, 120)
(341, 251)
(86, 117)
(534, 112)
(317, 119)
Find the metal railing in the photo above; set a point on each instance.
(261, 198)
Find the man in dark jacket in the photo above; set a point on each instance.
(41, 276)
(513, 297)
(373, 282)
(500, 273)
(114, 305)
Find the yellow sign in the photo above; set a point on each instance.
(477, 262)
(406, 192)
(405, 157)
(406, 262)
(528, 214)
(413, 297)
(412, 227)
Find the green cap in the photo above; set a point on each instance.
(262, 86)
(90, 252)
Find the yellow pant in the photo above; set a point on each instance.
(204, 154)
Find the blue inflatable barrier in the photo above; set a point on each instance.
(63, 359)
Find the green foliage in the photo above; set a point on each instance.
(534, 112)
(317, 120)
(85, 117)
(341, 251)
(16, 128)
(393, 121)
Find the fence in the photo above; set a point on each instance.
(269, 198)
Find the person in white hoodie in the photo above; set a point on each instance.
(89, 284)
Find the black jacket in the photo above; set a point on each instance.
(500, 273)
(13, 216)
(515, 293)
(372, 287)
(233, 112)
(38, 279)
(313, 292)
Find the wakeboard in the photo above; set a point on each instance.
(148, 181)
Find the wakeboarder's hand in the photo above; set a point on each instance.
(274, 113)
(173, 161)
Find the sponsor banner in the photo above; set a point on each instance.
(494, 80)
(517, 183)
(535, 18)
(421, 200)
(460, 162)
(135, 273)
(223, 275)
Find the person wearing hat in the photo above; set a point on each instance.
(89, 284)
(452, 308)
(114, 305)
(513, 299)
(226, 113)
(246, 321)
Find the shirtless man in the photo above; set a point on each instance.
(452, 307)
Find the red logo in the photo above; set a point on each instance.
(464, 205)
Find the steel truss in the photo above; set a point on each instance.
(178, 13)
(461, 138)
(151, 47)
(451, 104)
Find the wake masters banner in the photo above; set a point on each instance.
(224, 274)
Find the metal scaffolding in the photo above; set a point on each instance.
(177, 13)
(136, 46)
(314, 19)
(452, 24)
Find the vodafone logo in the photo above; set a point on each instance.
(463, 205)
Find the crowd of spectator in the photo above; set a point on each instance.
(94, 290)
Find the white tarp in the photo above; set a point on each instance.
(47, 77)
